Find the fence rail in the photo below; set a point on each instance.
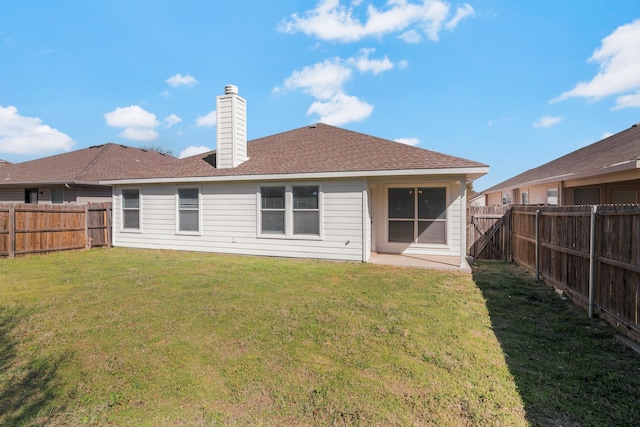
(591, 255)
(32, 229)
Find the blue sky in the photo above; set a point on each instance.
(513, 84)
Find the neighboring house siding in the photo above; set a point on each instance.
(229, 221)
(494, 199)
(91, 194)
(12, 195)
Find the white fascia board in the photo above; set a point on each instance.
(475, 171)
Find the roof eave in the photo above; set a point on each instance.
(617, 167)
(472, 172)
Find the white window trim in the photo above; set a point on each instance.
(140, 207)
(288, 212)
(177, 211)
(447, 243)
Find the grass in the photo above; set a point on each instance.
(138, 337)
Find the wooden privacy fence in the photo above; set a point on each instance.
(488, 234)
(592, 253)
(31, 229)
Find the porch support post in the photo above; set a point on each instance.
(463, 222)
(366, 226)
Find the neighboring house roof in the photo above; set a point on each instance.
(86, 166)
(317, 149)
(616, 153)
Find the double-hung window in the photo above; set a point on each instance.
(417, 214)
(306, 210)
(188, 209)
(131, 209)
(290, 210)
(272, 210)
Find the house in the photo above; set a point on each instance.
(73, 177)
(606, 172)
(314, 192)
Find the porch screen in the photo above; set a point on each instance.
(418, 215)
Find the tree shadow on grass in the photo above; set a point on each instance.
(27, 385)
(569, 369)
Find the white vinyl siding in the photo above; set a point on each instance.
(230, 218)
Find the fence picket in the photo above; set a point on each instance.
(565, 261)
(30, 229)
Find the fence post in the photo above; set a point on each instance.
(538, 244)
(592, 260)
(12, 232)
(87, 239)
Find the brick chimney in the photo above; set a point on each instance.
(231, 118)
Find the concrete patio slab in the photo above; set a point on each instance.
(422, 261)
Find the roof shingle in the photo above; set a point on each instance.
(313, 149)
(90, 165)
(596, 158)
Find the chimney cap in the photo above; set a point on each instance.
(231, 90)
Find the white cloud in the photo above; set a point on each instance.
(462, 12)
(139, 134)
(27, 135)
(322, 80)
(325, 82)
(626, 101)
(180, 80)
(363, 63)
(411, 36)
(171, 120)
(209, 119)
(408, 141)
(341, 109)
(193, 150)
(330, 20)
(547, 121)
(139, 124)
(619, 73)
(131, 117)
(606, 135)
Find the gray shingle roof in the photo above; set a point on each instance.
(593, 159)
(88, 166)
(313, 149)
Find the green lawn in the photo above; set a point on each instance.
(139, 337)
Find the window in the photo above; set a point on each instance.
(57, 196)
(621, 197)
(506, 198)
(552, 196)
(586, 196)
(417, 215)
(306, 211)
(188, 209)
(131, 209)
(290, 210)
(31, 195)
(525, 197)
(272, 206)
